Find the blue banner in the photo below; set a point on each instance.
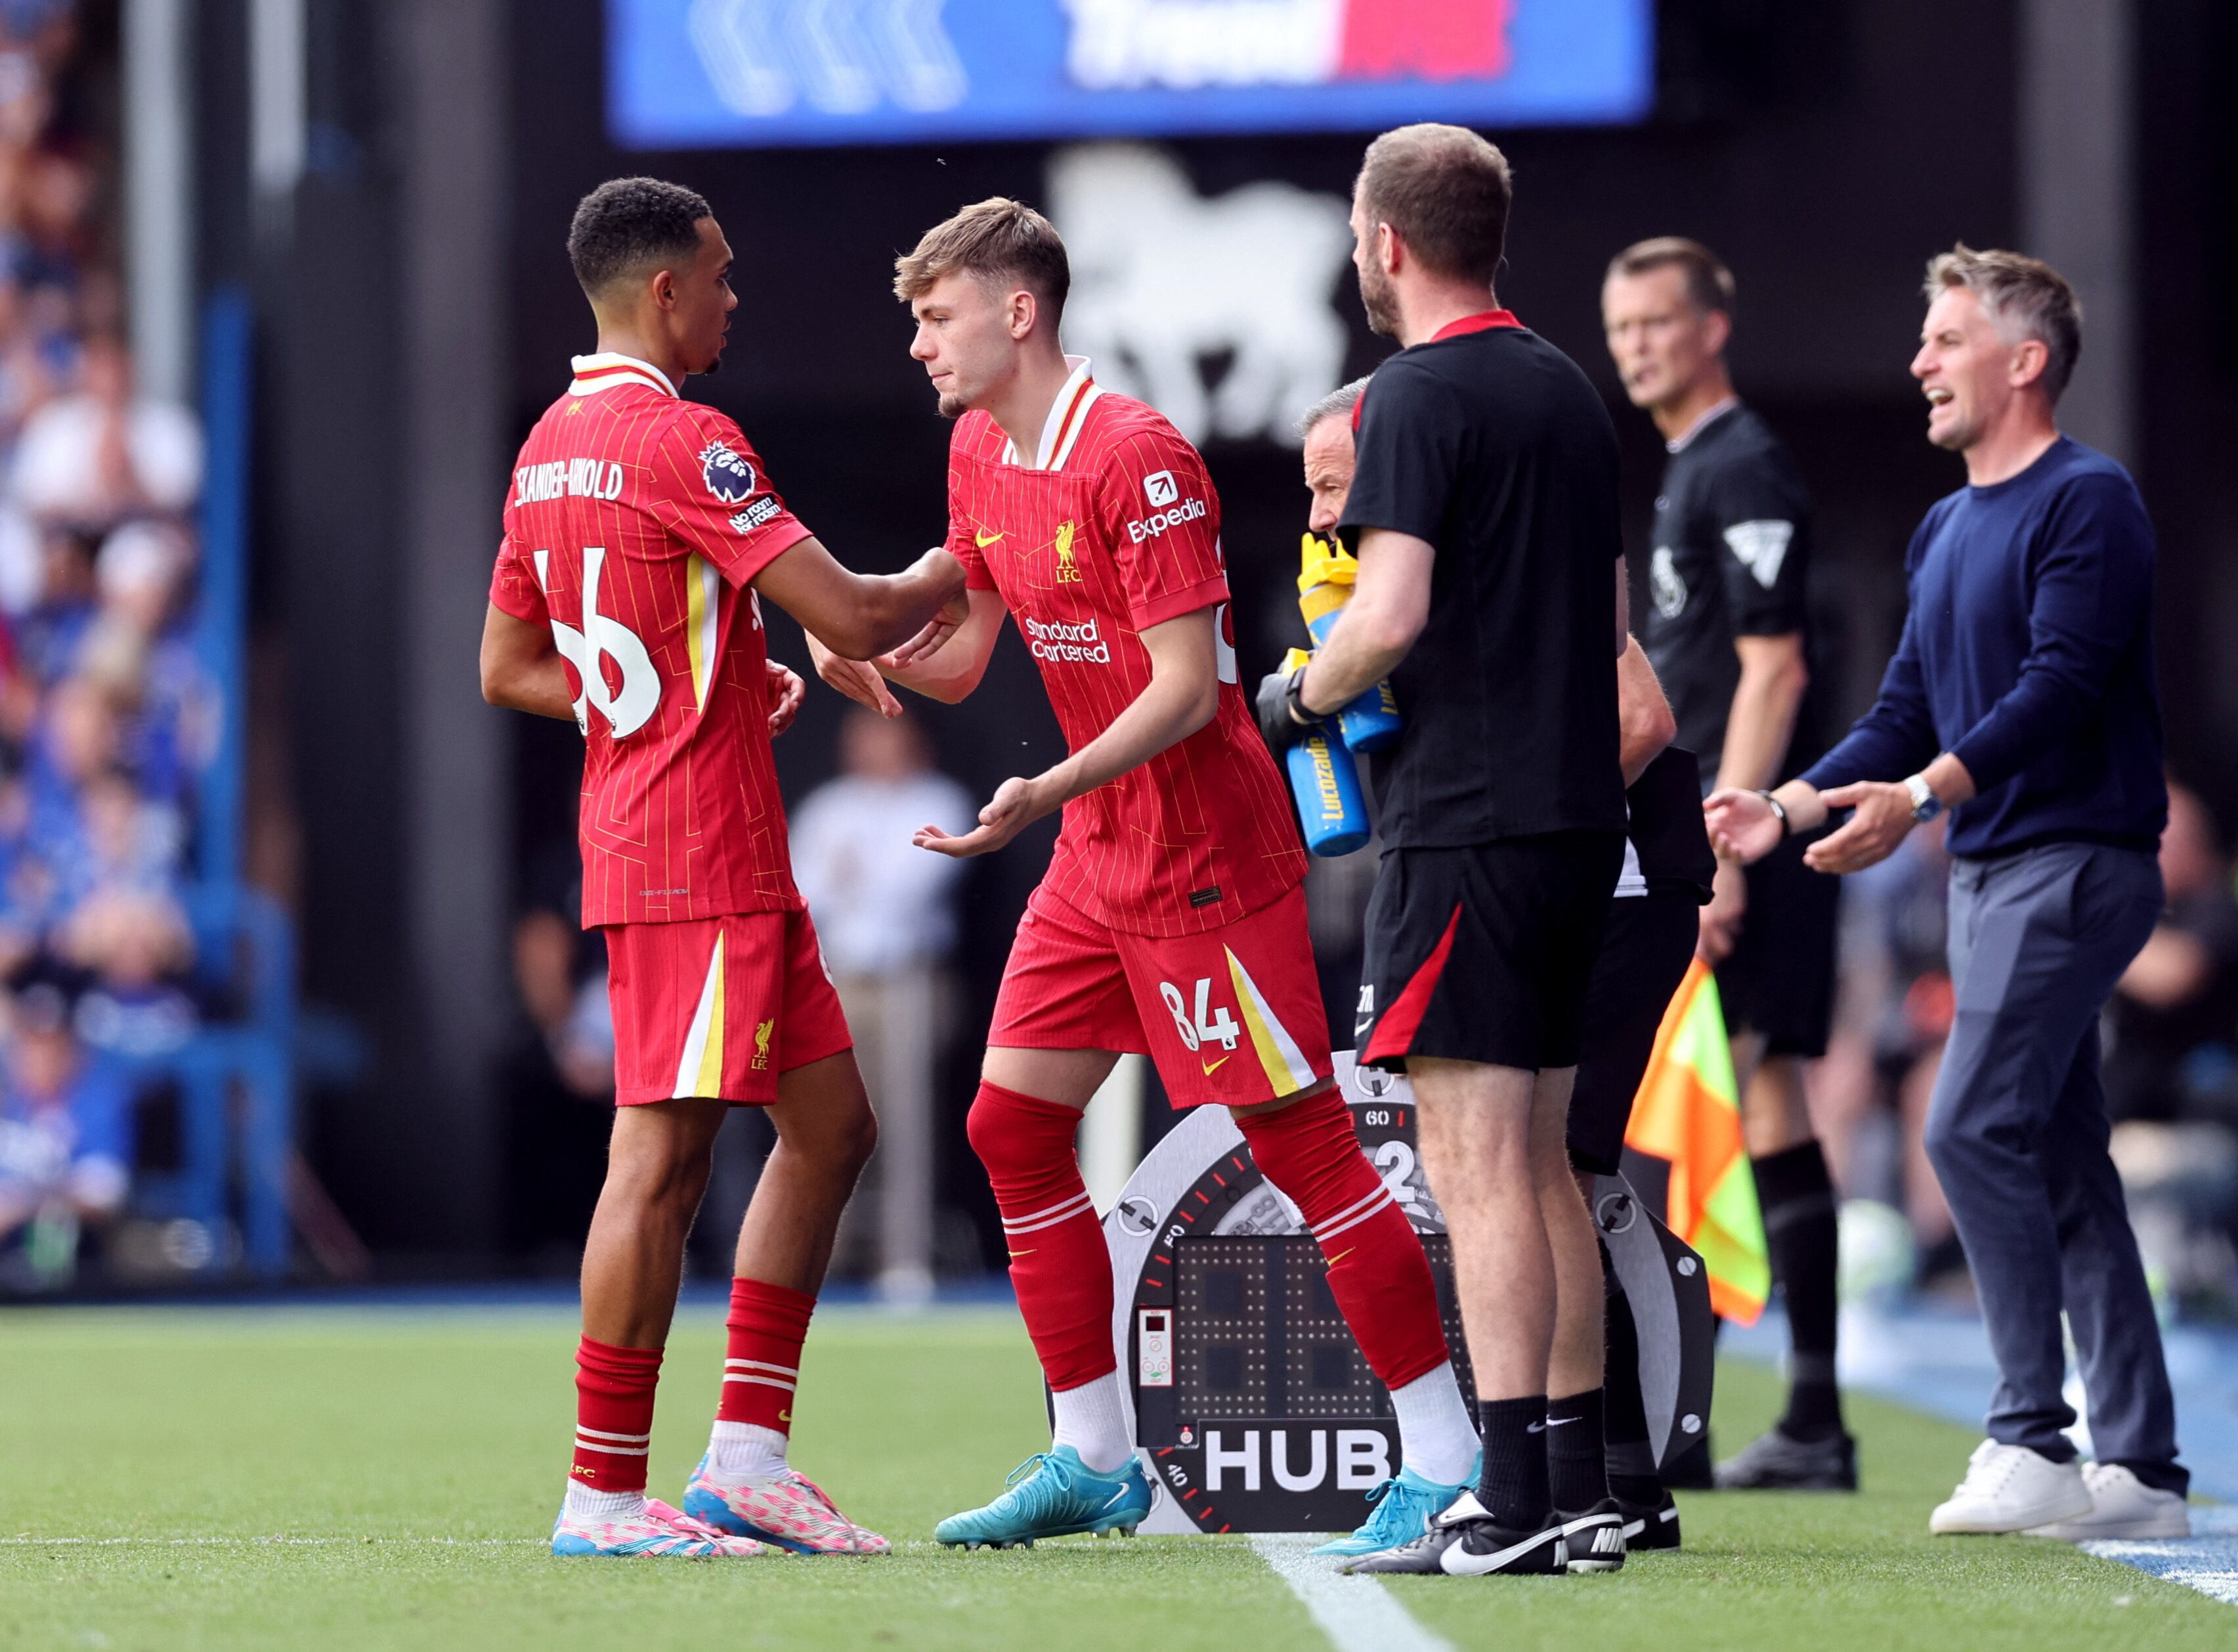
(761, 74)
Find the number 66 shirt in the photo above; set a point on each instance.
(634, 522)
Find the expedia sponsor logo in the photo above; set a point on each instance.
(1158, 521)
(729, 477)
(580, 479)
(755, 514)
(1082, 643)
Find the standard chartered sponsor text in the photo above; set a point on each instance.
(1081, 642)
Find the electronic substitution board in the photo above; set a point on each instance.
(1253, 1407)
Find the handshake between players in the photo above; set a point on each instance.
(643, 535)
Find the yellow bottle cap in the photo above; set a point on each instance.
(1325, 562)
(1293, 659)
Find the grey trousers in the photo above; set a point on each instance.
(2017, 1133)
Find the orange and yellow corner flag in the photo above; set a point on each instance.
(1688, 1113)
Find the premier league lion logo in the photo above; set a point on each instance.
(730, 478)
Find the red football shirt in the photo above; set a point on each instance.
(1113, 527)
(635, 521)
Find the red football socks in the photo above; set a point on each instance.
(1059, 1266)
(613, 1414)
(1377, 1271)
(761, 1366)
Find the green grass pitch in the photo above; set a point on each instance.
(414, 1459)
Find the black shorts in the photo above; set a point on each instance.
(1778, 980)
(1482, 954)
(1645, 951)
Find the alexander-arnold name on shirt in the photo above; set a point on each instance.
(581, 479)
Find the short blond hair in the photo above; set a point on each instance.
(2024, 297)
(994, 239)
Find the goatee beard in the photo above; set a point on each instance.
(953, 406)
(1382, 308)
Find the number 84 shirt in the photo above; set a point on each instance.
(635, 523)
(1171, 920)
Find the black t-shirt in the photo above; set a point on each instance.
(1492, 445)
(1732, 554)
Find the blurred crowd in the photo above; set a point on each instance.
(105, 717)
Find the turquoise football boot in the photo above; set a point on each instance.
(1404, 1505)
(1051, 1496)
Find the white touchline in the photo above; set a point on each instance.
(1357, 1614)
(2206, 1561)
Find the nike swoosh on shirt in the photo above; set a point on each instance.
(1214, 1066)
(982, 540)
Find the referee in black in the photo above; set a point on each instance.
(1727, 630)
(1484, 512)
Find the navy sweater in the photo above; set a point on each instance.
(2027, 653)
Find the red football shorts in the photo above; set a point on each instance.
(1233, 1015)
(718, 1006)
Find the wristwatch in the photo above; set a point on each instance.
(1925, 805)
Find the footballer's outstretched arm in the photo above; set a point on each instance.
(521, 667)
(943, 661)
(946, 661)
(1182, 696)
(858, 615)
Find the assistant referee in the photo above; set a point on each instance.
(1484, 510)
(1727, 626)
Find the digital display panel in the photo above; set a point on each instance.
(765, 74)
(1234, 1358)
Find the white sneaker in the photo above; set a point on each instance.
(2123, 1506)
(2009, 1487)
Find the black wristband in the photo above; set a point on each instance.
(1293, 697)
(1779, 812)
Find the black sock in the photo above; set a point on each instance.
(1799, 1226)
(1632, 1472)
(1514, 1489)
(1577, 1473)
